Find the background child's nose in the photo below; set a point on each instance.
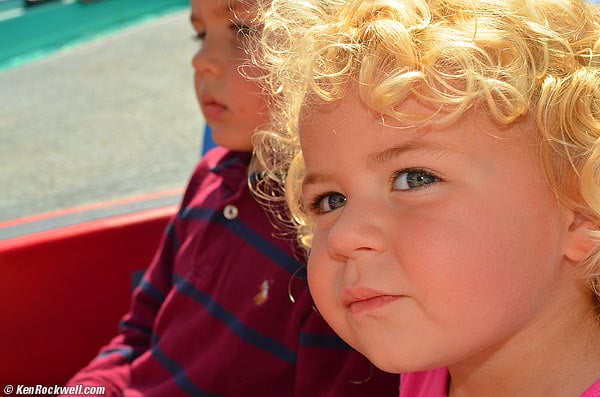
(206, 60)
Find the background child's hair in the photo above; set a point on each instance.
(536, 61)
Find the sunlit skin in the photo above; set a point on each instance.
(445, 247)
(231, 103)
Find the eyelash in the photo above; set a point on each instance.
(238, 29)
(428, 173)
(200, 36)
(316, 202)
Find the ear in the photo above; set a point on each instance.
(579, 241)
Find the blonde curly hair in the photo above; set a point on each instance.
(514, 59)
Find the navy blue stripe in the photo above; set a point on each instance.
(126, 352)
(323, 341)
(179, 376)
(235, 325)
(152, 291)
(301, 273)
(126, 324)
(170, 231)
(226, 164)
(136, 278)
(279, 256)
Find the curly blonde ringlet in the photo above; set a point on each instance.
(517, 60)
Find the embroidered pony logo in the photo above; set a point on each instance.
(263, 293)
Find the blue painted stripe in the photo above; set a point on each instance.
(233, 323)
(179, 375)
(124, 324)
(323, 341)
(126, 352)
(279, 256)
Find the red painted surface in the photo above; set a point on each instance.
(88, 207)
(63, 292)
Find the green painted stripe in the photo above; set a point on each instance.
(10, 4)
(28, 33)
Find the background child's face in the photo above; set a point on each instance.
(431, 246)
(232, 105)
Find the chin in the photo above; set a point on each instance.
(234, 145)
(397, 362)
(388, 365)
(232, 139)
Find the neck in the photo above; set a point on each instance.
(558, 355)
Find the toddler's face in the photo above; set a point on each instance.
(232, 105)
(431, 246)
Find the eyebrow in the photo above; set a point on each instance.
(378, 158)
(418, 145)
(315, 179)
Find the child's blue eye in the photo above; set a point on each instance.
(413, 179)
(328, 202)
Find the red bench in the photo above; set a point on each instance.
(62, 293)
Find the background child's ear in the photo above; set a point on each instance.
(579, 238)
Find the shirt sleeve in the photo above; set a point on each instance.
(111, 368)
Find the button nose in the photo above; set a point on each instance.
(356, 232)
(206, 61)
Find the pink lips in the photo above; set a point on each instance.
(211, 108)
(361, 300)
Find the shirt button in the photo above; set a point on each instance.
(230, 212)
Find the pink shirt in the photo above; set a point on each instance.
(434, 383)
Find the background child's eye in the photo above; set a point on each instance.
(328, 202)
(199, 36)
(413, 179)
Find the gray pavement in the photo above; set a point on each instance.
(111, 118)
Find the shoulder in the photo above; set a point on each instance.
(219, 169)
(220, 158)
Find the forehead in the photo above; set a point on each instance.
(220, 7)
(352, 113)
(350, 125)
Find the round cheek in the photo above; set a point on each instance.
(320, 279)
(248, 101)
(491, 286)
(246, 112)
(324, 278)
